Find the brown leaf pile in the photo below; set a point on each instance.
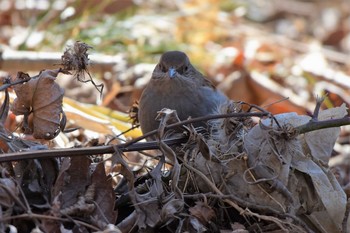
(270, 169)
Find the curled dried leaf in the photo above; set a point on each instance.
(43, 97)
(203, 212)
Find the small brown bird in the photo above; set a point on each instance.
(176, 84)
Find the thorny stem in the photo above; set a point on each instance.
(319, 101)
(7, 85)
(316, 125)
(70, 152)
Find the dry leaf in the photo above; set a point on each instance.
(72, 180)
(41, 96)
(322, 199)
(104, 195)
(321, 142)
(202, 211)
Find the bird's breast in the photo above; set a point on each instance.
(187, 99)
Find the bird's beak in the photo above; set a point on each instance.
(172, 72)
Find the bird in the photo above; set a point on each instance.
(176, 84)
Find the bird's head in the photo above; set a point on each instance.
(173, 62)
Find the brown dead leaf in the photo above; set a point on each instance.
(72, 180)
(259, 89)
(202, 211)
(268, 92)
(104, 195)
(41, 96)
(50, 225)
(36, 178)
(203, 147)
(266, 58)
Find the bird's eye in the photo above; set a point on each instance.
(161, 67)
(185, 68)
